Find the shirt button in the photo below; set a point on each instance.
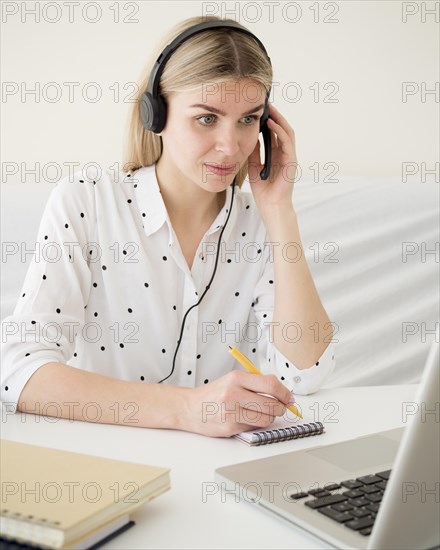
(297, 379)
(201, 255)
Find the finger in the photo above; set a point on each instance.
(273, 136)
(264, 403)
(255, 417)
(285, 140)
(254, 165)
(274, 406)
(275, 114)
(279, 130)
(279, 119)
(251, 413)
(268, 384)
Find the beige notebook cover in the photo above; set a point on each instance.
(52, 497)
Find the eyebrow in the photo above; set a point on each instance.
(220, 112)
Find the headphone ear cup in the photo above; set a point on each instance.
(147, 108)
(161, 114)
(153, 112)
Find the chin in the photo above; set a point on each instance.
(218, 183)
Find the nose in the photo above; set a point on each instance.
(227, 141)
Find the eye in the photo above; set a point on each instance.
(199, 120)
(253, 118)
(209, 120)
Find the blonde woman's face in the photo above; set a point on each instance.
(210, 132)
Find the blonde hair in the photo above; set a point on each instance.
(211, 56)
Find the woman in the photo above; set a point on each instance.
(156, 271)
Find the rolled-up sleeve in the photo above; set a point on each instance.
(50, 309)
(272, 361)
(302, 381)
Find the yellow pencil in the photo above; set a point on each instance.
(250, 367)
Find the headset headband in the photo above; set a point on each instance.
(153, 108)
(153, 83)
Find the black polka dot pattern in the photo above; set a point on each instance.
(129, 304)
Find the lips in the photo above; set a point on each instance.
(221, 169)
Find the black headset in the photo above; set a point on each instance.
(153, 108)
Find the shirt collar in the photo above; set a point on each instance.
(151, 203)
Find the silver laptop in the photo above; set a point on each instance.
(380, 491)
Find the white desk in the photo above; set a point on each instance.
(184, 517)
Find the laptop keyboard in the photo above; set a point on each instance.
(354, 502)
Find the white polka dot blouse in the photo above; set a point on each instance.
(113, 286)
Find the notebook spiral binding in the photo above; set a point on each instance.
(292, 432)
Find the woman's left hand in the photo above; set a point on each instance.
(277, 189)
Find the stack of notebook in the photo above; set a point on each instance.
(58, 499)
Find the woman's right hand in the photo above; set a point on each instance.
(233, 404)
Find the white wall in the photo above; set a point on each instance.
(366, 54)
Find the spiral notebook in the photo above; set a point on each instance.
(281, 430)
